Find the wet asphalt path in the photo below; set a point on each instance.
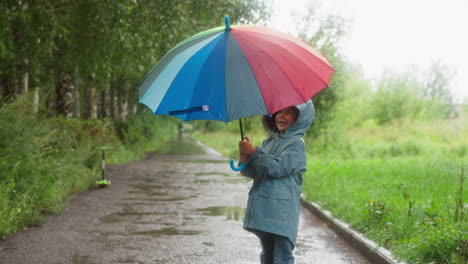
(165, 209)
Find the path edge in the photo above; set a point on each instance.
(371, 250)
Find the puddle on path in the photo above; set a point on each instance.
(169, 231)
(129, 260)
(213, 173)
(230, 181)
(79, 259)
(204, 161)
(120, 216)
(143, 201)
(152, 223)
(237, 180)
(150, 187)
(154, 177)
(231, 212)
(150, 193)
(164, 173)
(203, 177)
(111, 218)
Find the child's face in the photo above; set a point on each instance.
(286, 117)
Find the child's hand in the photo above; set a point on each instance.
(245, 149)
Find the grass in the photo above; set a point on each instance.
(226, 140)
(398, 202)
(45, 161)
(400, 184)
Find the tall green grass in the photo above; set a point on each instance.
(400, 183)
(44, 161)
(227, 136)
(403, 203)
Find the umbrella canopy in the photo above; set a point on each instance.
(231, 72)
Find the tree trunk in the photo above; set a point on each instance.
(124, 101)
(115, 105)
(69, 101)
(36, 100)
(76, 97)
(92, 103)
(25, 79)
(7, 87)
(15, 87)
(124, 104)
(51, 104)
(65, 96)
(106, 101)
(25, 83)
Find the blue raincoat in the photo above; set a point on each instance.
(277, 167)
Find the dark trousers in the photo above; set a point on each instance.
(275, 249)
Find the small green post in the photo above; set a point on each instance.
(103, 183)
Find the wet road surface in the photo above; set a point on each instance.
(165, 209)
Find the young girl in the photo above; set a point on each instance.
(277, 167)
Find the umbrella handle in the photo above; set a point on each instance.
(243, 164)
(234, 168)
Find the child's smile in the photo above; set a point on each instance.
(285, 118)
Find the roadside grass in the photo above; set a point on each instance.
(44, 161)
(401, 184)
(398, 202)
(226, 139)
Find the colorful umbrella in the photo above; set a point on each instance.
(231, 72)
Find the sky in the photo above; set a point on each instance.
(394, 34)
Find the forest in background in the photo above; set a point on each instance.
(68, 73)
(68, 77)
(84, 58)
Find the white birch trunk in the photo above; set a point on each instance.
(106, 103)
(69, 101)
(114, 104)
(124, 104)
(15, 85)
(93, 107)
(76, 96)
(25, 83)
(35, 103)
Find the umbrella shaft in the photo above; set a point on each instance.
(241, 130)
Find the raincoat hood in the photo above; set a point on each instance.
(304, 121)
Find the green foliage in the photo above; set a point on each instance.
(144, 132)
(94, 43)
(325, 35)
(397, 183)
(436, 87)
(396, 98)
(441, 243)
(43, 162)
(226, 138)
(40, 165)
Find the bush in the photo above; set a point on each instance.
(43, 162)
